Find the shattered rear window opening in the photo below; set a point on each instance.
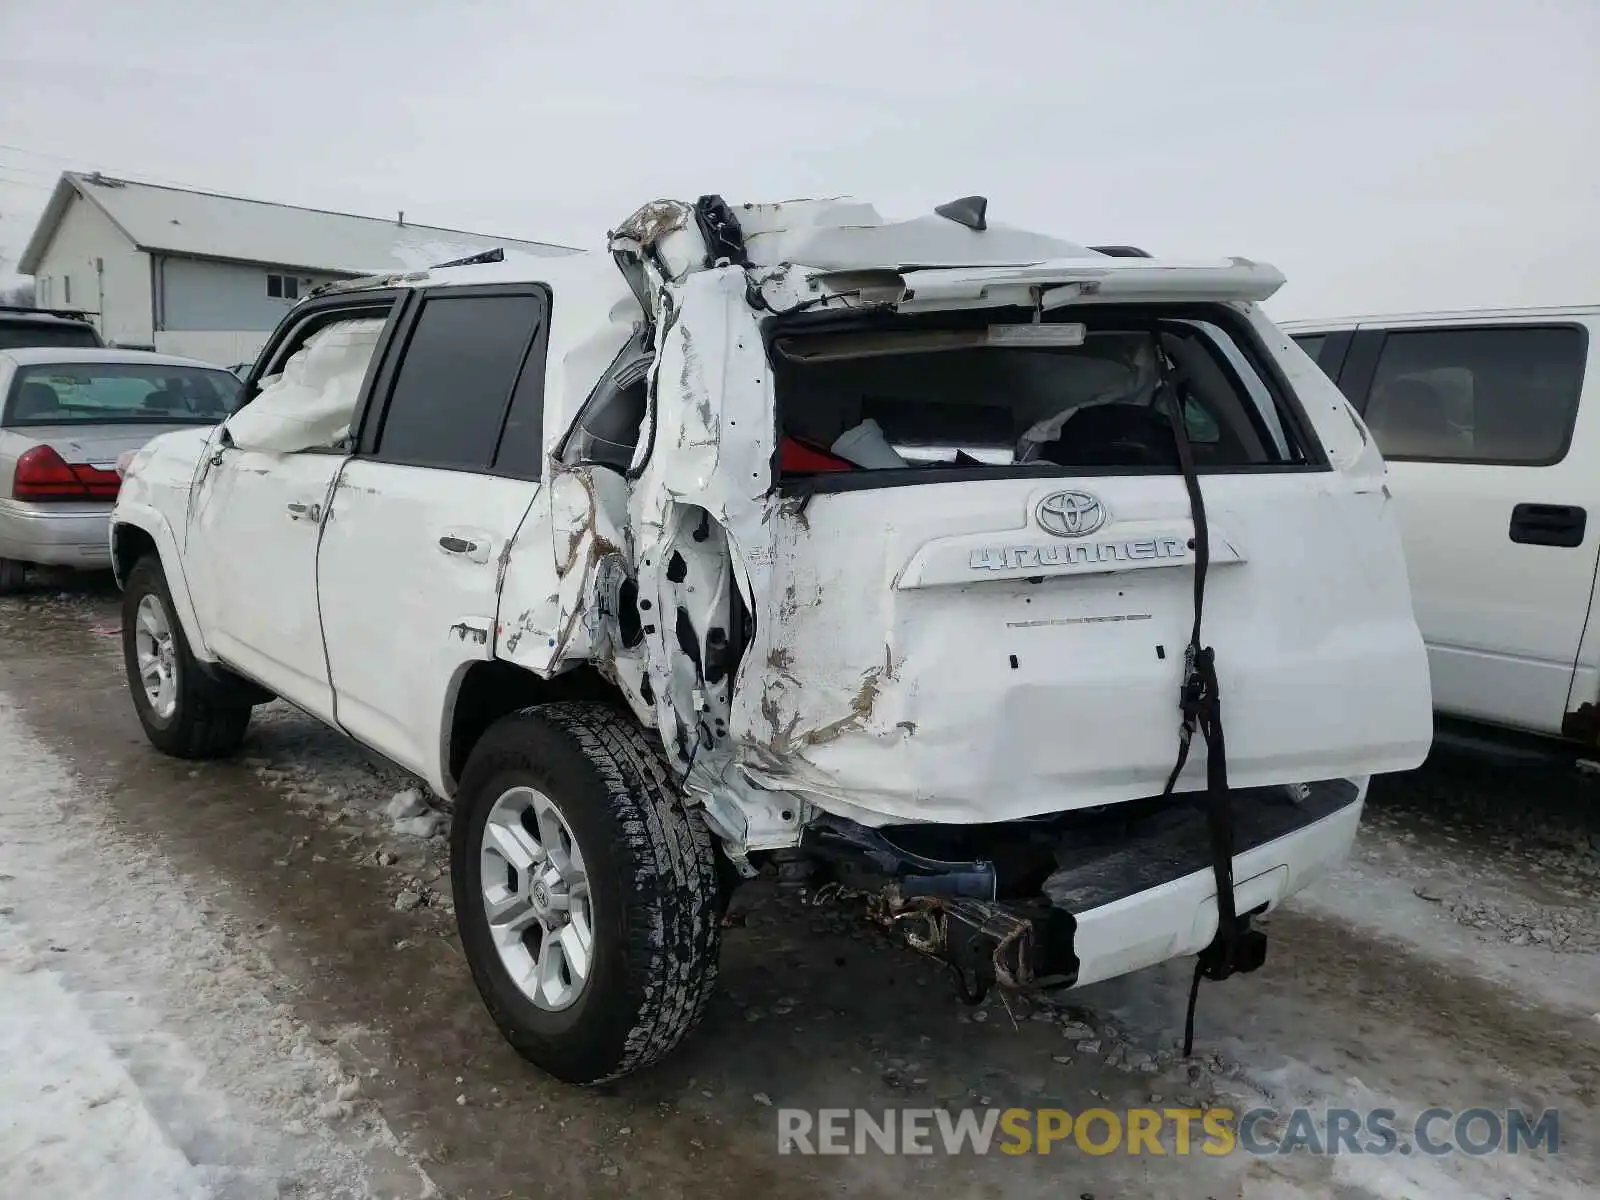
(921, 398)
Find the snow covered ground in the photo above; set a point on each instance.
(145, 1054)
(240, 980)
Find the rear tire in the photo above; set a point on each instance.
(12, 576)
(185, 713)
(646, 887)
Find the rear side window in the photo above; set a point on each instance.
(1487, 395)
(928, 397)
(453, 386)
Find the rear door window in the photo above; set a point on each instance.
(928, 397)
(454, 385)
(1500, 394)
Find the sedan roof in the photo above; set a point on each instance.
(27, 356)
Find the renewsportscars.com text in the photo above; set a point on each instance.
(1167, 1131)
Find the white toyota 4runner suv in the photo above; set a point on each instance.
(930, 558)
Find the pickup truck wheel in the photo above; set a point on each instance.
(182, 710)
(585, 892)
(12, 576)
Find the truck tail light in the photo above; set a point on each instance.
(42, 474)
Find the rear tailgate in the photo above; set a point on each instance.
(919, 685)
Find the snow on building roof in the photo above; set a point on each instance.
(207, 225)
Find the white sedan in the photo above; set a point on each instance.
(66, 415)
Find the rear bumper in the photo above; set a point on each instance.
(75, 535)
(1131, 887)
(1138, 912)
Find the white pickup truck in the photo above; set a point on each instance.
(932, 557)
(1490, 422)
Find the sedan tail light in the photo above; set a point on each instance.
(42, 474)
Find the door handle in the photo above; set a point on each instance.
(467, 547)
(1548, 524)
(305, 512)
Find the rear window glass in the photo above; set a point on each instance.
(971, 397)
(1490, 395)
(19, 335)
(120, 393)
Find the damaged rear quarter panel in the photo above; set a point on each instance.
(707, 520)
(701, 507)
(563, 583)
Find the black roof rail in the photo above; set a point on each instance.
(498, 254)
(72, 314)
(1122, 251)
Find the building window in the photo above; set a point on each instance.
(283, 287)
(66, 289)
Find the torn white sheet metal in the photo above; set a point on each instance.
(576, 621)
(700, 508)
(839, 234)
(658, 244)
(845, 234)
(745, 815)
(310, 402)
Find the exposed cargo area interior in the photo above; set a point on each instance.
(989, 390)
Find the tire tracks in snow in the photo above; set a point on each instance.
(148, 1057)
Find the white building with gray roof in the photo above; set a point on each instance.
(209, 276)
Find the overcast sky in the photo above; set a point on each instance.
(1385, 154)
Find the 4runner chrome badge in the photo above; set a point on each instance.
(1071, 514)
(1093, 556)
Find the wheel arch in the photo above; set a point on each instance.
(139, 531)
(485, 690)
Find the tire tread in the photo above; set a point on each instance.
(673, 928)
(13, 575)
(207, 724)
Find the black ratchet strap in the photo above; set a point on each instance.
(1235, 947)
